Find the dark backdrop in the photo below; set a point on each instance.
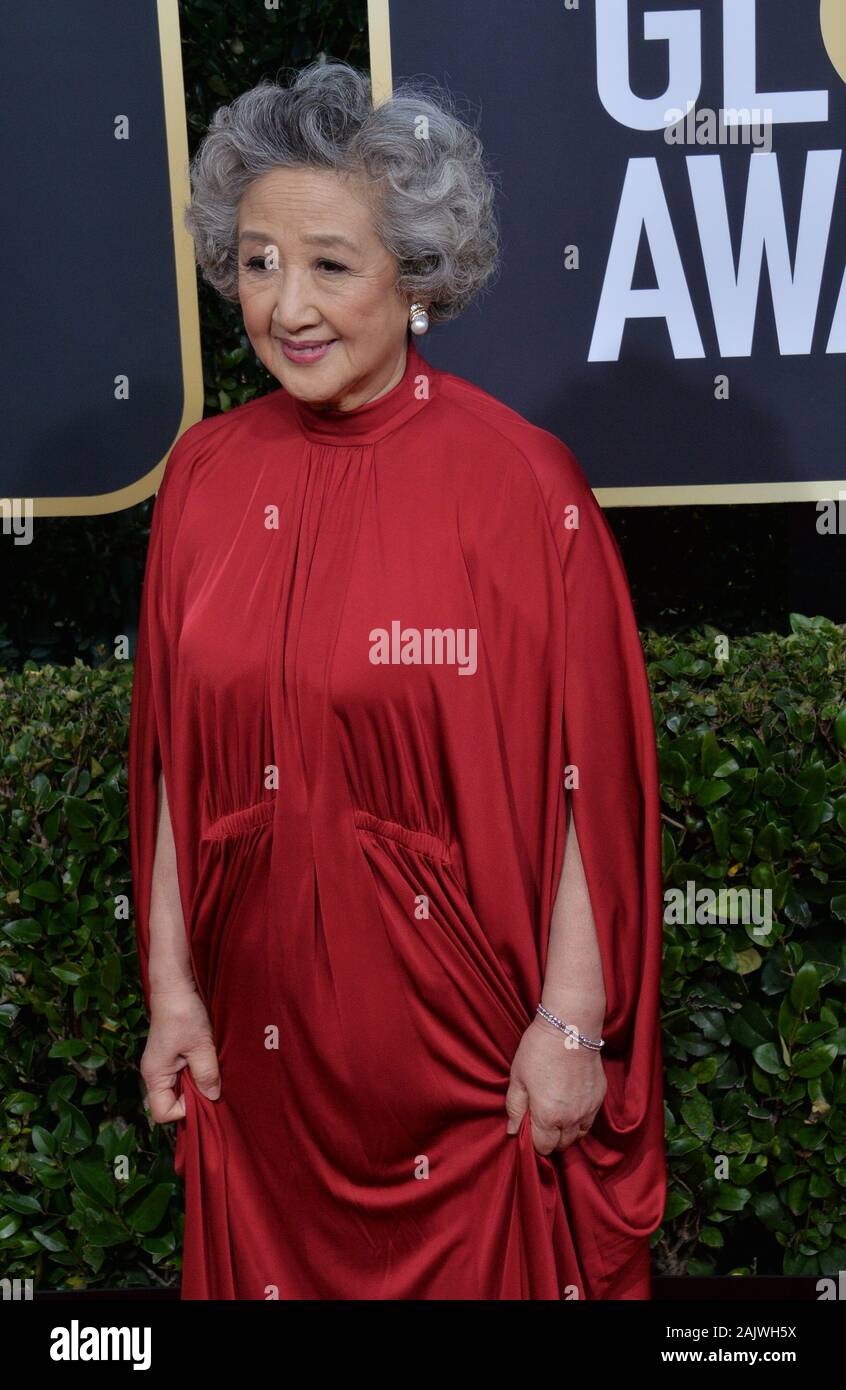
(67, 595)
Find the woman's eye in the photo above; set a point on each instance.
(260, 263)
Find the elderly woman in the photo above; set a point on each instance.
(394, 804)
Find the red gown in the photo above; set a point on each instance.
(368, 923)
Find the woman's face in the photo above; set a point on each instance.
(317, 288)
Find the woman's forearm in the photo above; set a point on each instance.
(574, 989)
(170, 960)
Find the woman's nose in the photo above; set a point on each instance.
(294, 306)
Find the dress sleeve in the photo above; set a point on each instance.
(610, 759)
(149, 720)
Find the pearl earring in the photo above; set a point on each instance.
(419, 318)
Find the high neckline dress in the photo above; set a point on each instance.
(373, 646)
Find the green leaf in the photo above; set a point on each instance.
(44, 891)
(751, 1026)
(21, 1102)
(25, 931)
(53, 1240)
(707, 792)
(768, 1059)
(730, 1198)
(677, 1202)
(805, 988)
(767, 844)
(714, 761)
(815, 1060)
(104, 1231)
(92, 1177)
(69, 974)
(748, 960)
(146, 1215)
(43, 1141)
(21, 1202)
(68, 1047)
(81, 815)
(73, 1131)
(797, 1196)
(698, 1115)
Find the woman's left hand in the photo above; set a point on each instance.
(563, 1086)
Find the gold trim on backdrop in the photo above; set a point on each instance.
(833, 26)
(716, 494)
(833, 18)
(379, 37)
(186, 283)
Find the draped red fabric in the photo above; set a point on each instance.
(376, 650)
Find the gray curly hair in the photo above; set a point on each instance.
(435, 214)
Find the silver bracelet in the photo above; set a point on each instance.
(571, 1029)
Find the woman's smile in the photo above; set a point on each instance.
(305, 352)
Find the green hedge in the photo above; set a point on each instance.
(754, 794)
(71, 1007)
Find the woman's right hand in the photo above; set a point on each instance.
(180, 1035)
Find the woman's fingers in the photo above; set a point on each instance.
(205, 1072)
(180, 1036)
(516, 1101)
(572, 1133)
(545, 1137)
(547, 1134)
(164, 1104)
